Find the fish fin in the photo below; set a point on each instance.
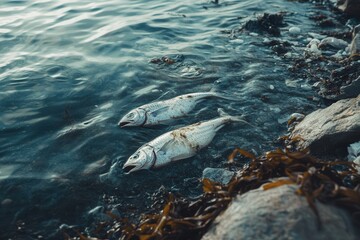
(222, 113)
(174, 144)
(159, 111)
(183, 156)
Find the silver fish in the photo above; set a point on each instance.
(175, 145)
(163, 111)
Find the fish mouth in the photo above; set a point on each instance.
(130, 168)
(123, 124)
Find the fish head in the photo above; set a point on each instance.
(136, 117)
(144, 158)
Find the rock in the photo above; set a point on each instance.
(344, 82)
(312, 47)
(350, 90)
(218, 175)
(279, 213)
(355, 43)
(354, 154)
(353, 151)
(333, 128)
(294, 30)
(350, 7)
(266, 23)
(294, 119)
(279, 47)
(334, 43)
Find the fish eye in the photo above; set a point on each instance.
(136, 156)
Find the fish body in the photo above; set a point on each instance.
(163, 111)
(175, 145)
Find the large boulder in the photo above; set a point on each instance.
(350, 7)
(331, 129)
(279, 213)
(355, 43)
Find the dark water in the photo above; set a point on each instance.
(70, 69)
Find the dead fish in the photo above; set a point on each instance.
(163, 111)
(178, 144)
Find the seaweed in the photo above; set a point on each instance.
(329, 182)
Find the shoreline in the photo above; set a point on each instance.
(343, 84)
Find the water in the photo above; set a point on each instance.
(71, 69)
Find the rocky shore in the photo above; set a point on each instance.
(332, 133)
(309, 189)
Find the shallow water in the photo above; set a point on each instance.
(71, 69)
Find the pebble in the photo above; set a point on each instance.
(272, 87)
(218, 175)
(294, 30)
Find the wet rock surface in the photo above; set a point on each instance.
(350, 7)
(218, 175)
(266, 24)
(279, 213)
(355, 43)
(333, 128)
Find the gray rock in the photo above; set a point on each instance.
(331, 42)
(328, 130)
(218, 175)
(279, 213)
(355, 43)
(353, 151)
(348, 91)
(295, 30)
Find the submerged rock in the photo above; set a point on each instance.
(327, 130)
(218, 175)
(266, 23)
(279, 213)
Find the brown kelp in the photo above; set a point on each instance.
(181, 218)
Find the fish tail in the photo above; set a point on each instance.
(230, 118)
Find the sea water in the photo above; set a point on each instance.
(70, 70)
